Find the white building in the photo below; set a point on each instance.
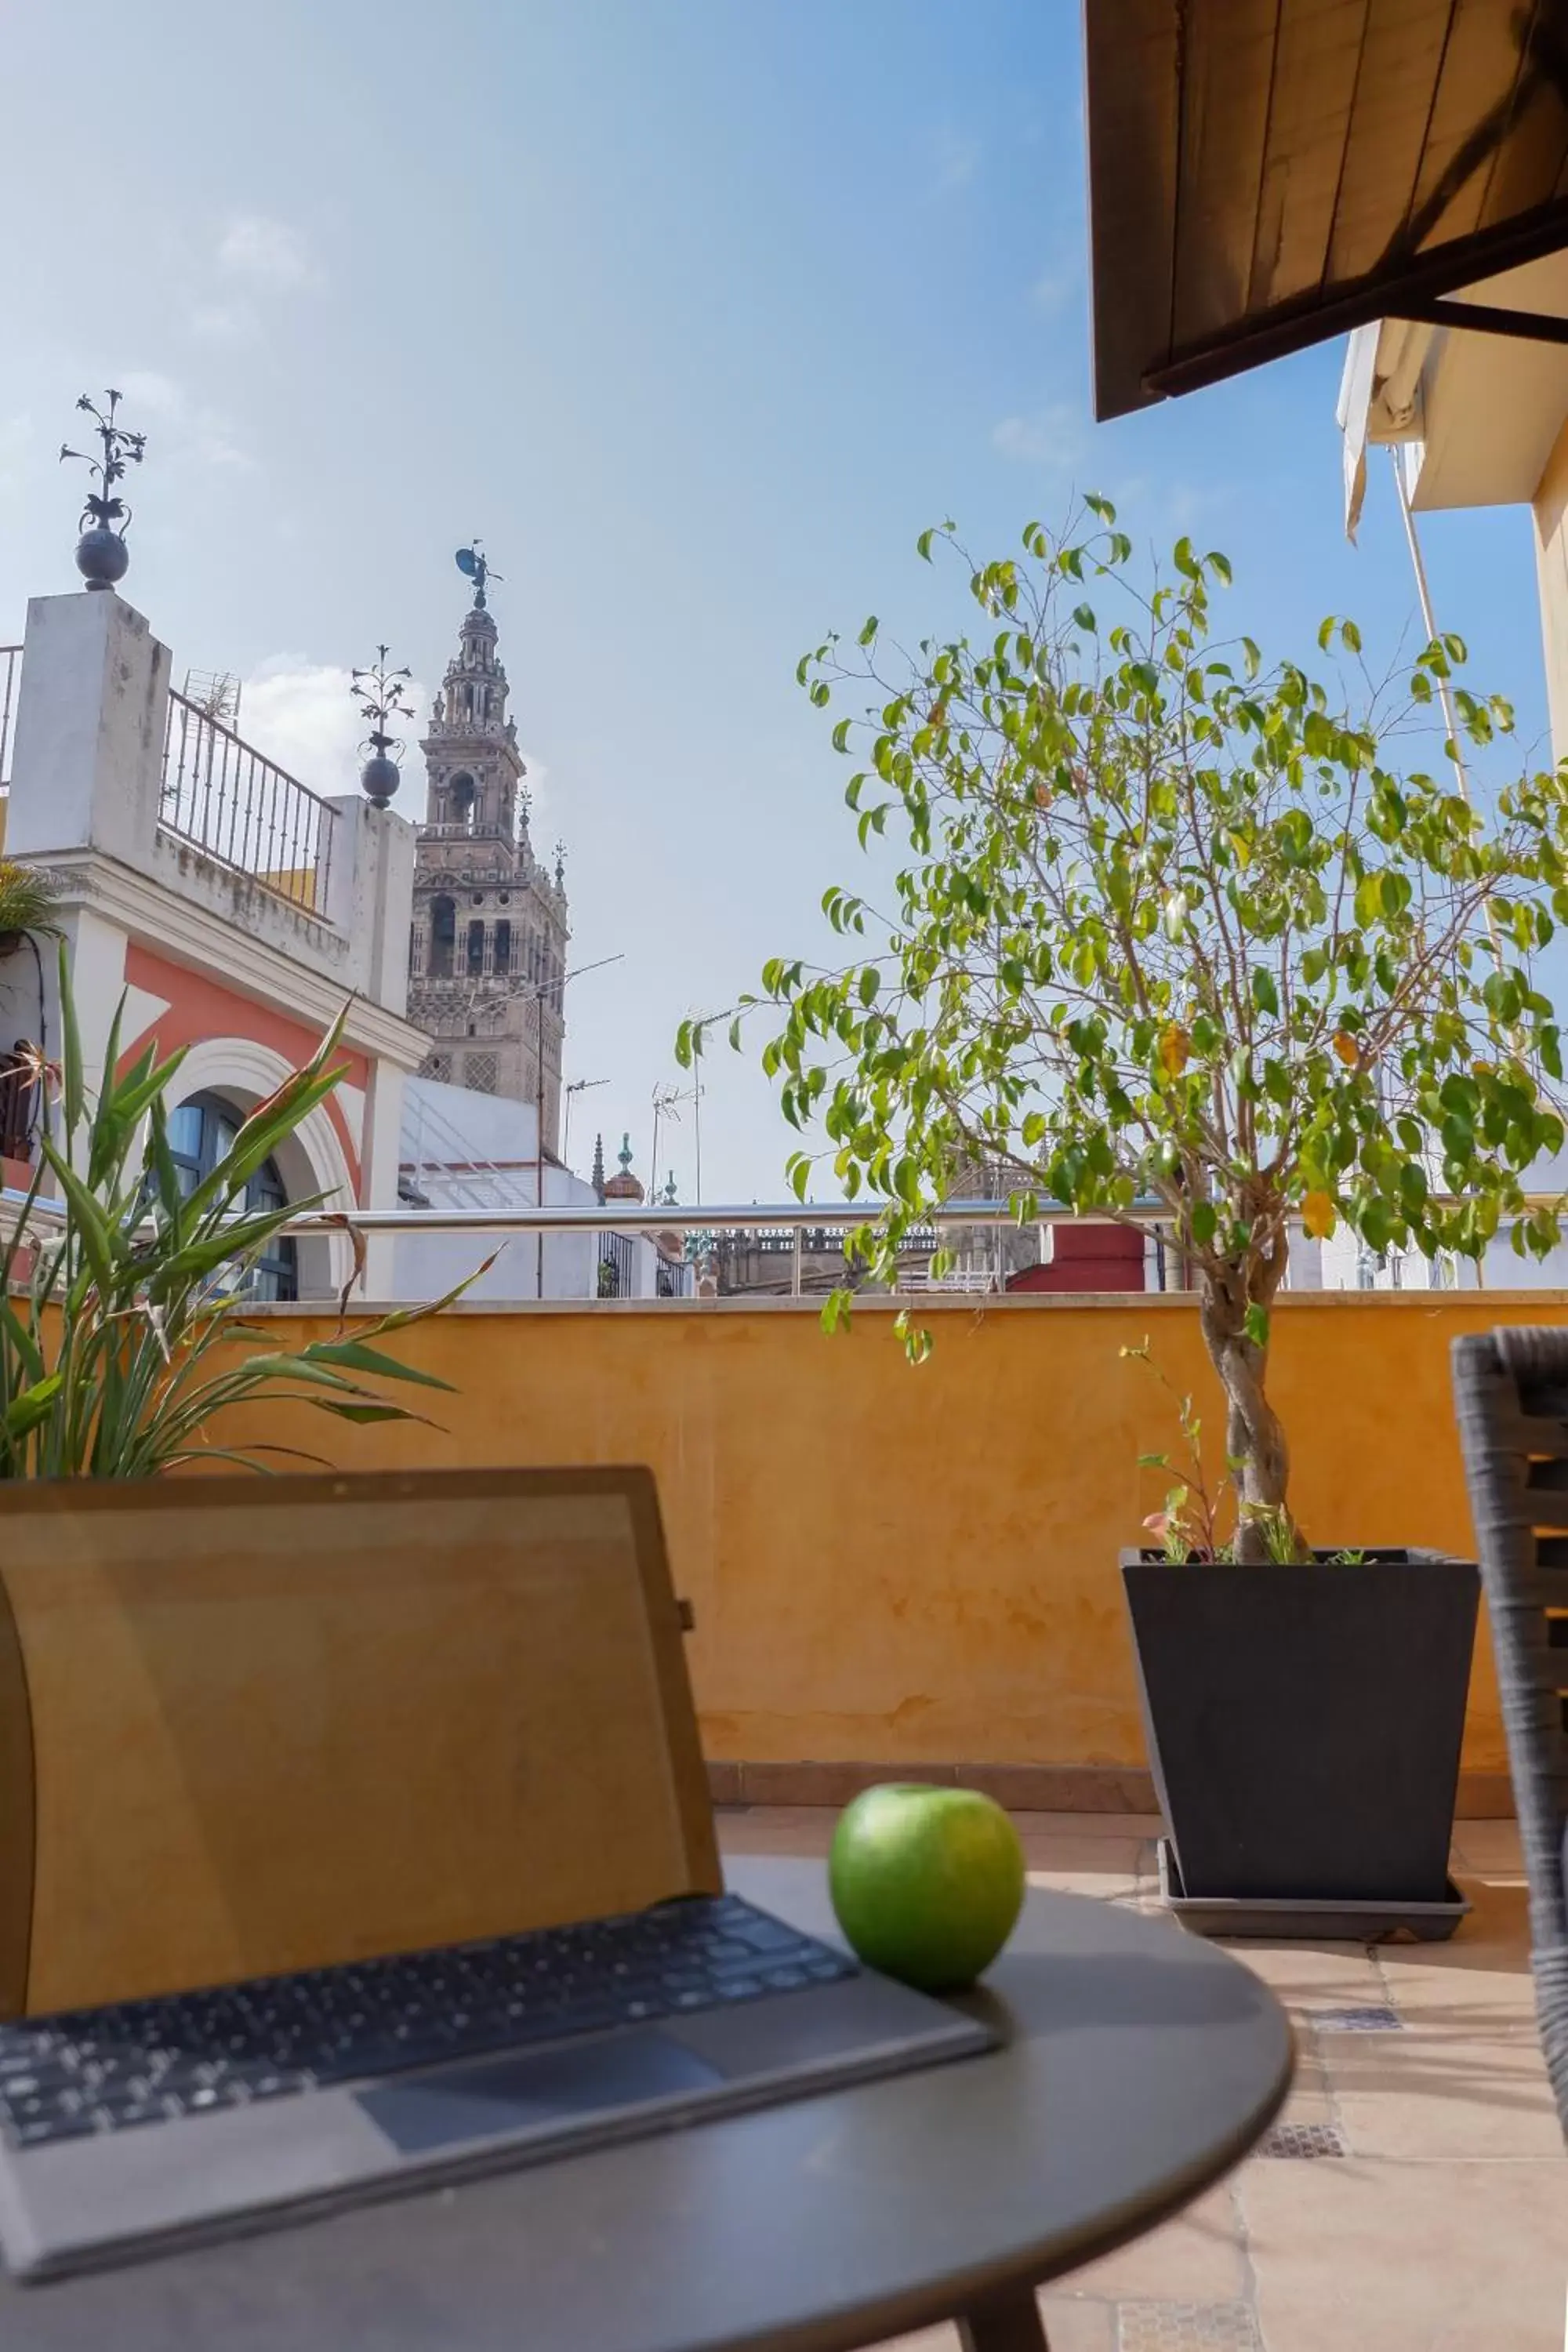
(237, 913)
(480, 1153)
(1474, 419)
(234, 910)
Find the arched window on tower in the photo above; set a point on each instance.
(476, 949)
(502, 958)
(443, 937)
(461, 793)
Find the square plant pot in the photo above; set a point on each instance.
(1304, 1724)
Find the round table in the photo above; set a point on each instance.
(1140, 2064)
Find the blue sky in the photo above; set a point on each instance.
(697, 311)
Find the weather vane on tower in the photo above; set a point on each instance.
(475, 567)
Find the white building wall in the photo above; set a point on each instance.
(476, 1151)
(86, 802)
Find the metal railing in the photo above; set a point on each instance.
(10, 680)
(19, 1106)
(240, 807)
(613, 1222)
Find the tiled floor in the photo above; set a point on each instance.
(1442, 2226)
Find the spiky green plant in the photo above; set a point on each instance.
(29, 901)
(123, 1315)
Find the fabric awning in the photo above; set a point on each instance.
(1263, 173)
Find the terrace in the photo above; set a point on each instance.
(1415, 2192)
(939, 1599)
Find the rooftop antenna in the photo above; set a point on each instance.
(576, 1087)
(667, 1101)
(215, 693)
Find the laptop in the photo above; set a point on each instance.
(354, 1836)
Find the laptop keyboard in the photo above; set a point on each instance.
(144, 2062)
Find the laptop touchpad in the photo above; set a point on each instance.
(531, 2089)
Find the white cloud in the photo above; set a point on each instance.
(538, 799)
(214, 446)
(15, 453)
(1051, 436)
(269, 253)
(182, 425)
(300, 714)
(1055, 287)
(957, 159)
(151, 394)
(1189, 502)
(224, 322)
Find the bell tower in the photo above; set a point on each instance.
(488, 950)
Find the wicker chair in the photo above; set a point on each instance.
(1511, 1388)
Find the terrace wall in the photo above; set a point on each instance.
(917, 1567)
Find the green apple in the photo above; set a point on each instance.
(927, 1883)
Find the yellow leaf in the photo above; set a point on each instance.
(1175, 1049)
(1347, 1049)
(1317, 1216)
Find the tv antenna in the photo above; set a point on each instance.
(576, 1087)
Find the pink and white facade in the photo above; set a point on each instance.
(236, 912)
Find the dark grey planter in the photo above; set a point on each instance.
(1304, 1722)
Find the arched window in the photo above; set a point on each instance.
(200, 1133)
(476, 949)
(443, 937)
(461, 793)
(502, 958)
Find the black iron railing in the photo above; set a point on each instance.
(18, 1102)
(238, 806)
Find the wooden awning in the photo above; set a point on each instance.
(1263, 173)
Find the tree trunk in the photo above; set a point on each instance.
(1255, 1440)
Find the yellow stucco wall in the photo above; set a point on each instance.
(901, 1565)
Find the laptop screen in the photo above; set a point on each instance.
(283, 1723)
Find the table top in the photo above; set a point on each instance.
(1140, 2063)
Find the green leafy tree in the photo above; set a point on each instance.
(123, 1334)
(1173, 930)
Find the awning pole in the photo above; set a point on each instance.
(1445, 692)
(1429, 622)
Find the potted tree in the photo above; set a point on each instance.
(1176, 931)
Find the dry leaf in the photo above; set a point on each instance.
(1317, 1216)
(1175, 1049)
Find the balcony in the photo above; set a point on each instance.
(464, 830)
(231, 801)
(142, 800)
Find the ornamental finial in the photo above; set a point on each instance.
(101, 555)
(379, 693)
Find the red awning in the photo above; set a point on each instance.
(1263, 173)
